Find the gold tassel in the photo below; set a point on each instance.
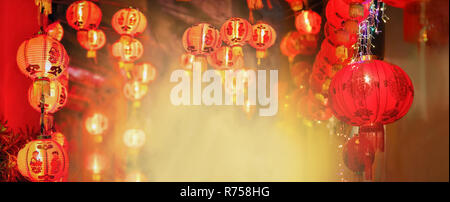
(45, 6)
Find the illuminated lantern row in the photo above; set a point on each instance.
(359, 155)
(201, 39)
(308, 22)
(55, 30)
(42, 57)
(127, 49)
(83, 15)
(43, 160)
(129, 21)
(225, 58)
(235, 32)
(144, 72)
(371, 93)
(296, 5)
(91, 40)
(263, 37)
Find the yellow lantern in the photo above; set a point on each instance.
(134, 138)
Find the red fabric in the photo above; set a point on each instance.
(370, 92)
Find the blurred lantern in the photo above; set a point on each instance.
(334, 54)
(42, 56)
(134, 138)
(135, 90)
(314, 109)
(256, 5)
(400, 3)
(339, 12)
(83, 15)
(96, 124)
(129, 21)
(144, 72)
(51, 93)
(43, 160)
(225, 58)
(296, 5)
(127, 49)
(340, 36)
(371, 92)
(358, 155)
(290, 45)
(96, 162)
(426, 21)
(55, 30)
(263, 37)
(61, 140)
(91, 40)
(201, 39)
(135, 176)
(308, 22)
(300, 73)
(235, 32)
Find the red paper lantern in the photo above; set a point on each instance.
(334, 54)
(340, 36)
(235, 32)
(55, 30)
(263, 37)
(135, 90)
(225, 58)
(144, 72)
(61, 140)
(321, 71)
(91, 40)
(300, 73)
(127, 49)
(129, 21)
(308, 22)
(290, 45)
(337, 12)
(55, 95)
(42, 56)
(83, 15)
(201, 39)
(370, 92)
(43, 160)
(399, 3)
(358, 155)
(296, 5)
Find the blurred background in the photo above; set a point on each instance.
(221, 143)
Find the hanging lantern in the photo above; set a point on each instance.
(134, 90)
(263, 37)
(96, 124)
(61, 140)
(235, 32)
(290, 45)
(54, 94)
(338, 12)
(201, 39)
(300, 73)
(144, 72)
(308, 22)
(296, 5)
(91, 40)
(340, 36)
(127, 49)
(43, 160)
(129, 21)
(225, 58)
(334, 54)
(369, 93)
(95, 163)
(42, 56)
(359, 155)
(55, 30)
(313, 109)
(83, 15)
(134, 138)
(255, 5)
(187, 61)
